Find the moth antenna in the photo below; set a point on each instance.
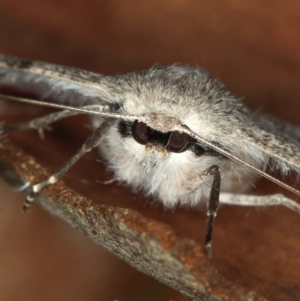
(67, 107)
(233, 157)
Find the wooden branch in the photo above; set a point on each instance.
(150, 246)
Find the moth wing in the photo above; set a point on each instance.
(279, 140)
(54, 83)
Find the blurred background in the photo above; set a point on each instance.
(252, 46)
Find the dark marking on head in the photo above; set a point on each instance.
(158, 138)
(124, 128)
(197, 149)
(115, 107)
(201, 150)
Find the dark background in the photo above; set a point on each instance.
(252, 46)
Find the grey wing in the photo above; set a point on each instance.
(55, 83)
(280, 140)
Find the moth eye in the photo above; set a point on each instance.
(139, 132)
(178, 142)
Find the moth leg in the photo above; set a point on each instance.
(91, 142)
(213, 201)
(43, 122)
(254, 200)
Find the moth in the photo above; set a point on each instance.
(175, 132)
